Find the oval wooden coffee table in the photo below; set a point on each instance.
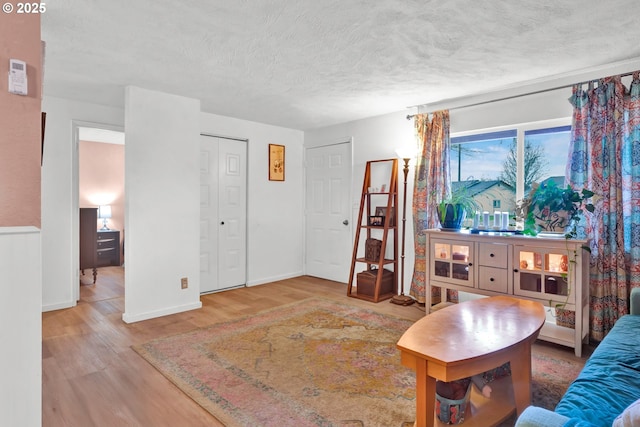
(470, 338)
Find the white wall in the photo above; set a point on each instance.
(162, 204)
(275, 209)
(378, 137)
(20, 327)
(374, 139)
(59, 220)
(531, 108)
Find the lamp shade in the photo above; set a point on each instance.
(406, 151)
(104, 211)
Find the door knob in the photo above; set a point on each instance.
(221, 222)
(345, 222)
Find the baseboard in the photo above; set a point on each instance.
(58, 306)
(274, 279)
(129, 318)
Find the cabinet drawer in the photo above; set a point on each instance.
(107, 253)
(108, 239)
(492, 279)
(493, 255)
(107, 244)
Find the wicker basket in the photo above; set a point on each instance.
(372, 248)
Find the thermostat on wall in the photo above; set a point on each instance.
(18, 77)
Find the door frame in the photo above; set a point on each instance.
(247, 203)
(75, 198)
(329, 142)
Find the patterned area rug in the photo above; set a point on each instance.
(311, 363)
(550, 379)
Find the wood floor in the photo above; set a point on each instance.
(91, 377)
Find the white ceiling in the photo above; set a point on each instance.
(304, 64)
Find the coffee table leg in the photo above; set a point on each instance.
(425, 395)
(521, 377)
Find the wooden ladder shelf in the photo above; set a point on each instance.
(377, 282)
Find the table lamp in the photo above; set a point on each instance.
(104, 213)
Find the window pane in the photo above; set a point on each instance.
(477, 163)
(488, 166)
(480, 156)
(545, 155)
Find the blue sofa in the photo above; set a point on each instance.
(608, 383)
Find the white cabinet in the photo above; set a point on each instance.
(452, 262)
(493, 267)
(552, 271)
(543, 273)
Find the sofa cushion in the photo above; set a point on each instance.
(610, 380)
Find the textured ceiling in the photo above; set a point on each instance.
(309, 63)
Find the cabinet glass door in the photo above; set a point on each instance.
(541, 273)
(451, 262)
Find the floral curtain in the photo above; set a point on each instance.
(605, 158)
(432, 182)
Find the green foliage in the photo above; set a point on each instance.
(461, 198)
(553, 198)
(549, 196)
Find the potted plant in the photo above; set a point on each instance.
(453, 210)
(553, 209)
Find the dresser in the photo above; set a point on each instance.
(98, 248)
(552, 271)
(107, 248)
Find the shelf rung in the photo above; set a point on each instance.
(374, 262)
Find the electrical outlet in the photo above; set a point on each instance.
(184, 282)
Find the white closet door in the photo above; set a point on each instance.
(223, 213)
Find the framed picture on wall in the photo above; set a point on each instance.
(276, 162)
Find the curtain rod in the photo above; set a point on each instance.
(506, 98)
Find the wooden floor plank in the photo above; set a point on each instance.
(91, 377)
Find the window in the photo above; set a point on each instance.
(480, 156)
(545, 155)
(499, 167)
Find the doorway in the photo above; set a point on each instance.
(328, 214)
(223, 213)
(99, 151)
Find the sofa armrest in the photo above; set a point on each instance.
(540, 417)
(635, 301)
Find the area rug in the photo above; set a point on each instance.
(310, 363)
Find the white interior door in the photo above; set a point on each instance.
(223, 213)
(232, 196)
(328, 219)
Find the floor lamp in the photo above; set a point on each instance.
(403, 299)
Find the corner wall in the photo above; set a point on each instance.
(20, 327)
(20, 271)
(275, 209)
(375, 138)
(162, 197)
(20, 135)
(59, 220)
(378, 138)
